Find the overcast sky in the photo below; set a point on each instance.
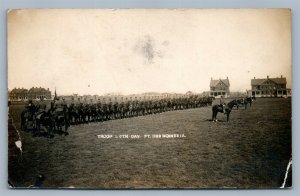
(133, 51)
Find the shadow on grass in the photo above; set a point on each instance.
(210, 120)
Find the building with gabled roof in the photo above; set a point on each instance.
(18, 94)
(34, 93)
(219, 88)
(37, 93)
(269, 87)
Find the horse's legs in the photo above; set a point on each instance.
(214, 116)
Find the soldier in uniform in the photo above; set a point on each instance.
(52, 107)
(222, 105)
(40, 111)
(42, 105)
(31, 108)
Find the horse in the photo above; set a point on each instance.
(44, 120)
(215, 110)
(226, 109)
(249, 100)
(27, 118)
(242, 102)
(73, 115)
(60, 119)
(82, 114)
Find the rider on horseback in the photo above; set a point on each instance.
(31, 108)
(222, 106)
(40, 109)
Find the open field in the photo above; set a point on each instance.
(252, 150)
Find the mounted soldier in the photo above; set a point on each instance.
(40, 109)
(31, 109)
(43, 104)
(222, 105)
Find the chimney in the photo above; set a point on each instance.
(254, 77)
(211, 78)
(281, 76)
(267, 77)
(227, 77)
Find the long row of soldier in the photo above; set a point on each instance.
(86, 112)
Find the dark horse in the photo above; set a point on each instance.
(27, 118)
(250, 100)
(44, 121)
(226, 109)
(244, 102)
(241, 103)
(60, 120)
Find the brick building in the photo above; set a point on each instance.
(38, 93)
(18, 94)
(35, 93)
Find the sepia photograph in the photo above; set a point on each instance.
(149, 98)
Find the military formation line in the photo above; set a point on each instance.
(60, 115)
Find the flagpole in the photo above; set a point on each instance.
(55, 95)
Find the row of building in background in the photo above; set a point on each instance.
(261, 87)
(34, 93)
(265, 87)
(38, 93)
